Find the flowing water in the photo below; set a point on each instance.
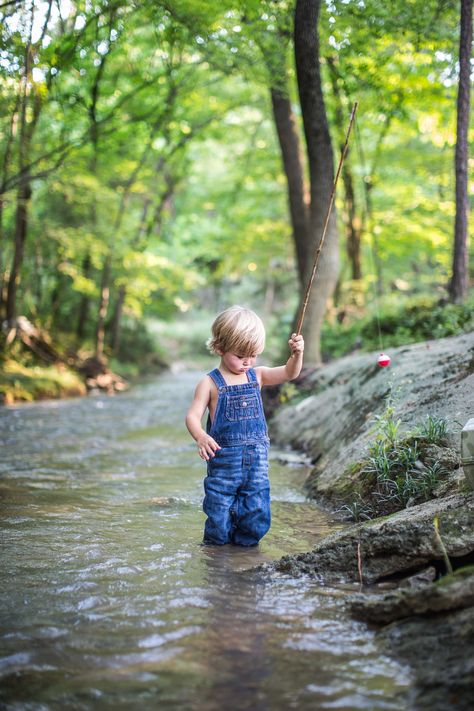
(109, 600)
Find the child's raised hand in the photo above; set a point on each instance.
(207, 447)
(296, 343)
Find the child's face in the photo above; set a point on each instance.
(238, 363)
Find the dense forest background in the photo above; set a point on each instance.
(142, 184)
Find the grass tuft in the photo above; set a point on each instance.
(394, 474)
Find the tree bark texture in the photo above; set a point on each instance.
(24, 188)
(29, 103)
(321, 172)
(21, 229)
(298, 198)
(459, 281)
(85, 300)
(103, 307)
(116, 326)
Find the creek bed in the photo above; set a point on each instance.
(109, 600)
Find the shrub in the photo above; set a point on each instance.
(415, 320)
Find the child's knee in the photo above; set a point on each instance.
(217, 529)
(260, 525)
(217, 533)
(252, 527)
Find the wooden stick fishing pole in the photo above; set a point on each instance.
(320, 246)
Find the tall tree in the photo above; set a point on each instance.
(29, 110)
(308, 203)
(459, 280)
(321, 174)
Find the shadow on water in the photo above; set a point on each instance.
(109, 600)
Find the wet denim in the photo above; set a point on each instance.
(237, 489)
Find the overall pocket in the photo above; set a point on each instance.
(241, 407)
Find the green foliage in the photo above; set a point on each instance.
(138, 351)
(423, 320)
(411, 321)
(150, 136)
(288, 392)
(357, 510)
(434, 430)
(394, 474)
(20, 382)
(386, 426)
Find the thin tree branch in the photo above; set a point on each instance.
(10, 2)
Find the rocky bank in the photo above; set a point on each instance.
(423, 612)
(333, 422)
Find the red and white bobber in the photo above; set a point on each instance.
(383, 360)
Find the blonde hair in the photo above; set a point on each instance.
(237, 330)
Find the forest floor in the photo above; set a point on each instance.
(36, 366)
(385, 448)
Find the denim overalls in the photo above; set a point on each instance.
(237, 490)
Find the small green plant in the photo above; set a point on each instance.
(432, 475)
(434, 429)
(393, 474)
(357, 510)
(406, 455)
(381, 465)
(386, 425)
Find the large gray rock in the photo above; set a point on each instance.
(450, 593)
(397, 544)
(334, 424)
(440, 653)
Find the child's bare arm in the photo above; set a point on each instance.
(289, 371)
(207, 446)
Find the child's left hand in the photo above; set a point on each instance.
(296, 343)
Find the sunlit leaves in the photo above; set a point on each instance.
(183, 181)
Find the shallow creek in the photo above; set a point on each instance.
(109, 600)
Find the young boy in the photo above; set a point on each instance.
(235, 443)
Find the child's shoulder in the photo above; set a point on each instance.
(206, 383)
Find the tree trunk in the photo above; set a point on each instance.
(5, 168)
(117, 319)
(298, 198)
(459, 280)
(24, 188)
(103, 306)
(21, 229)
(29, 108)
(321, 172)
(58, 296)
(353, 231)
(85, 300)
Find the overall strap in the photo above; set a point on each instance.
(216, 376)
(252, 376)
